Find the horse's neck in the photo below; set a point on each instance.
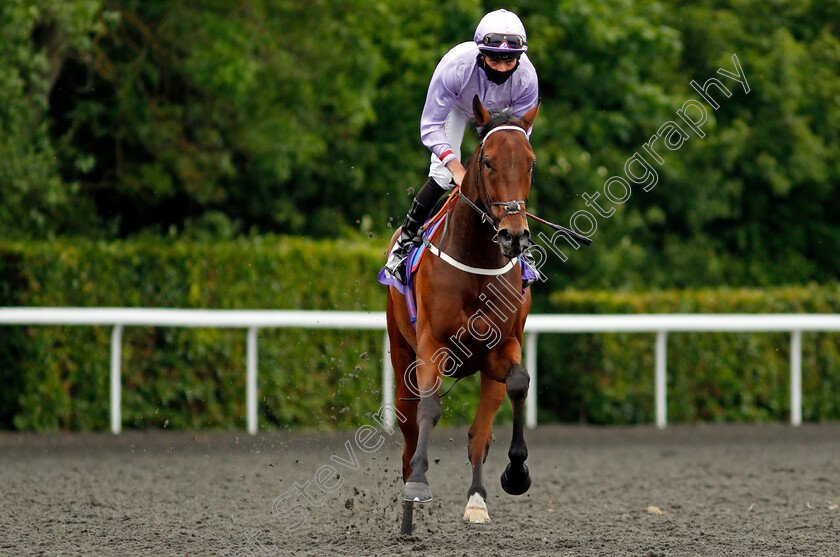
(469, 239)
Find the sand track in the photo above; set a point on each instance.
(721, 490)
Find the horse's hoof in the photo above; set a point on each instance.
(476, 511)
(516, 482)
(417, 492)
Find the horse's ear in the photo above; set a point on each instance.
(481, 114)
(528, 119)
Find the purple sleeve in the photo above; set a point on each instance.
(527, 99)
(443, 89)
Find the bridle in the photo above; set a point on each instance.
(513, 207)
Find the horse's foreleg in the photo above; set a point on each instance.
(428, 414)
(516, 479)
(408, 408)
(402, 361)
(491, 397)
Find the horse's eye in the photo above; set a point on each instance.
(488, 164)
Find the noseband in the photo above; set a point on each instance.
(513, 207)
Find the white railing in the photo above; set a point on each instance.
(253, 320)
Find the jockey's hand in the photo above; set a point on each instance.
(457, 169)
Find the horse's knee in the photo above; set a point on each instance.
(516, 382)
(429, 409)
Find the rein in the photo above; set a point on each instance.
(513, 207)
(427, 241)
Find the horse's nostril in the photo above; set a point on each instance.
(525, 240)
(505, 237)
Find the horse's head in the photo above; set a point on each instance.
(503, 171)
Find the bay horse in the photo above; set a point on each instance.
(470, 313)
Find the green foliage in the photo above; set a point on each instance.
(35, 39)
(609, 379)
(57, 377)
(220, 118)
(752, 202)
(191, 378)
(246, 108)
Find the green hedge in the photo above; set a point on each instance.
(608, 378)
(57, 377)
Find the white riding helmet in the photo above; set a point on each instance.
(500, 35)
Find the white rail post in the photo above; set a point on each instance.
(251, 381)
(116, 391)
(387, 383)
(661, 379)
(796, 378)
(531, 364)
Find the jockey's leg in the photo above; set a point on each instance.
(440, 180)
(417, 215)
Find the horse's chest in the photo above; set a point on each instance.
(478, 328)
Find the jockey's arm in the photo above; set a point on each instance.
(457, 169)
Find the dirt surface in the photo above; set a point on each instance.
(687, 490)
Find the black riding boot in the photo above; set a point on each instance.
(417, 215)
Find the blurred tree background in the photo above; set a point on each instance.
(220, 119)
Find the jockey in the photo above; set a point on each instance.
(494, 67)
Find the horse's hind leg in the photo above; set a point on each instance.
(516, 479)
(491, 397)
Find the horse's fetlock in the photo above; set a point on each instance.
(477, 489)
(518, 455)
(419, 464)
(418, 478)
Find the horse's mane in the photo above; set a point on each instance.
(498, 117)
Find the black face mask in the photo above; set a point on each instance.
(496, 76)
